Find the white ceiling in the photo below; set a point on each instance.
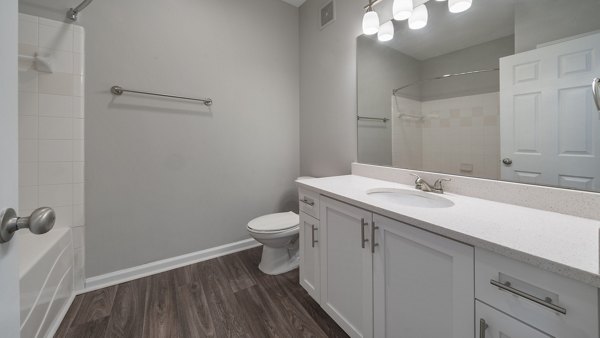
(486, 20)
(296, 3)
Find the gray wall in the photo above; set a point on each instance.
(380, 69)
(328, 88)
(541, 21)
(165, 178)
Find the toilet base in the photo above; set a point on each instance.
(276, 261)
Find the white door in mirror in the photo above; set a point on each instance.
(550, 127)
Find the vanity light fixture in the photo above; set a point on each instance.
(402, 9)
(457, 6)
(370, 24)
(419, 17)
(386, 31)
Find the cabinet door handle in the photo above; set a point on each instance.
(543, 302)
(308, 202)
(313, 235)
(363, 224)
(373, 244)
(482, 328)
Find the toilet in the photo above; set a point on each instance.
(278, 234)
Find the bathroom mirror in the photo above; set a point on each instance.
(500, 91)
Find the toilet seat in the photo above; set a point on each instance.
(274, 223)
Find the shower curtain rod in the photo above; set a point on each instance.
(395, 91)
(73, 12)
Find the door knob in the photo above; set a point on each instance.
(507, 161)
(39, 222)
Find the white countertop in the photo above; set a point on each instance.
(562, 244)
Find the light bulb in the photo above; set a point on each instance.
(386, 31)
(419, 18)
(402, 9)
(457, 6)
(370, 23)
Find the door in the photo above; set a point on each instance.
(423, 284)
(549, 125)
(346, 266)
(499, 325)
(9, 269)
(310, 272)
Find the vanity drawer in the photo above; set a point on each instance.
(580, 301)
(309, 202)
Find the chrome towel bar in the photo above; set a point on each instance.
(117, 90)
(384, 119)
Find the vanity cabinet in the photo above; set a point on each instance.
(423, 284)
(346, 266)
(378, 277)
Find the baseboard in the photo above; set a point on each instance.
(126, 275)
(61, 315)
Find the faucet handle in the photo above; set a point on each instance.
(437, 186)
(418, 180)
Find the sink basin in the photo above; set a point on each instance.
(411, 198)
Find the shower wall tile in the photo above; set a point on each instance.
(28, 150)
(55, 105)
(58, 195)
(28, 104)
(55, 172)
(64, 216)
(28, 174)
(55, 150)
(78, 151)
(28, 29)
(78, 129)
(28, 127)
(56, 83)
(78, 172)
(78, 107)
(78, 215)
(28, 197)
(51, 127)
(28, 81)
(56, 128)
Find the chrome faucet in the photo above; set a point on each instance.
(421, 184)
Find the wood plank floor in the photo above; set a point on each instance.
(223, 297)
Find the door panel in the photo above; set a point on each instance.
(310, 272)
(423, 283)
(346, 267)
(9, 269)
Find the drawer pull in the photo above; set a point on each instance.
(308, 202)
(543, 302)
(363, 224)
(482, 327)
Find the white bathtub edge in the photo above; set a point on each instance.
(126, 275)
(61, 315)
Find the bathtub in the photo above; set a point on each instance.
(46, 280)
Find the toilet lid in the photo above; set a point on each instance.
(275, 222)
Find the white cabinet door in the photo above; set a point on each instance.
(423, 283)
(346, 266)
(310, 265)
(498, 325)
